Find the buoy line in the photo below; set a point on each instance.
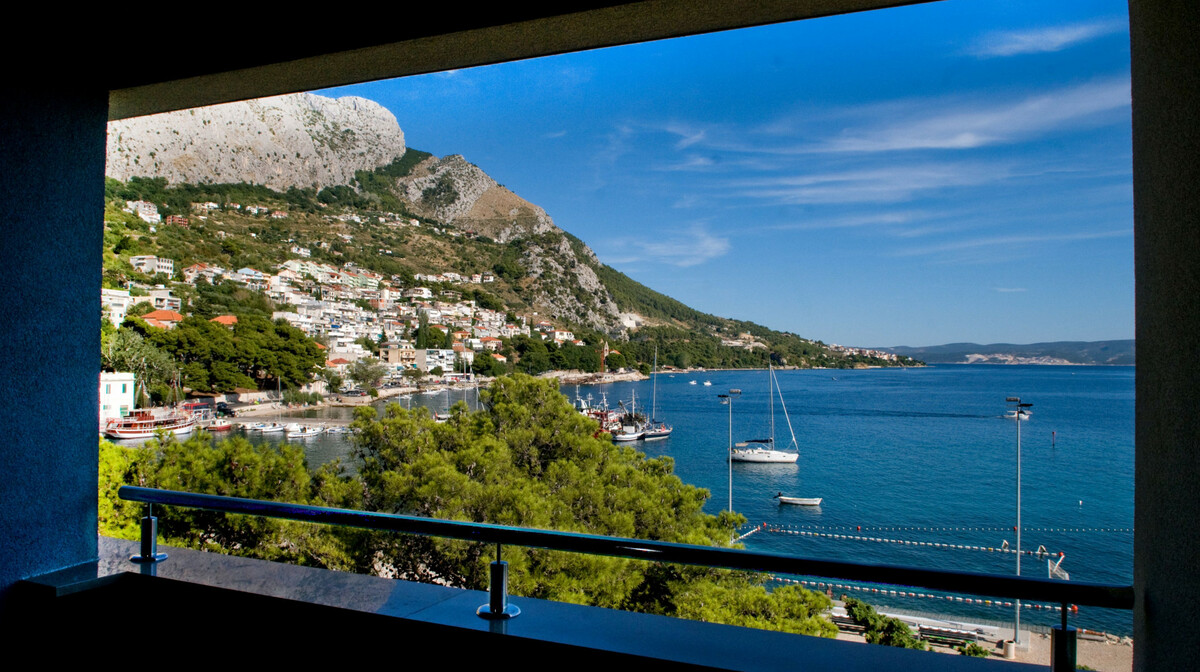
(958, 599)
(877, 528)
(905, 542)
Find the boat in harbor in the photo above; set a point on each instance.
(145, 423)
(798, 501)
(298, 431)
(655, 429)
(763, 450)
(632, 426)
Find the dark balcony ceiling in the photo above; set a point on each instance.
(152, 66)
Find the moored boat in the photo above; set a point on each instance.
(798, 501)
(763, 450)
(299, 431)
(743, 452)
(144, 424)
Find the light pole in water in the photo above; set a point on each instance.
(727, 399)
(1018, 413)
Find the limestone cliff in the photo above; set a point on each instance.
(301, 140)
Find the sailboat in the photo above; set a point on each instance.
(763, 450)
(656, 429)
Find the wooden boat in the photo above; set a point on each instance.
(144, 424)
(798, 501)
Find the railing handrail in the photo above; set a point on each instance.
(1015, 587)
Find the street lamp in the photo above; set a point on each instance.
(727, 399)
(1018, 413)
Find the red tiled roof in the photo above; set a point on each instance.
(163, 316)
(227, 320)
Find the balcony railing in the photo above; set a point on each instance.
(1013, 587)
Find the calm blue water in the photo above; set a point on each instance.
(913, 448)
(923, 448)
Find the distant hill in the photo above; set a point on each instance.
(1112, 353)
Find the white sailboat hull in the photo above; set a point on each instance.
(762, 455)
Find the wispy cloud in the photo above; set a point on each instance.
(1042, 40)
(690, 247)
(554, 135)
(980, 123)
(847, 222)
(874, 185)
(687, 136)
(1009, 290)
(1011, 241)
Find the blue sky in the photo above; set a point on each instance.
(958, 171)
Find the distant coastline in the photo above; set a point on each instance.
(1056, 353)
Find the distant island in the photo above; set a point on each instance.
(1096, 353)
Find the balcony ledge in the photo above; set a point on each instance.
(193, 587)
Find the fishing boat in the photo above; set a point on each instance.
(798, 501)
(655, 430)
(145, 423)
(632, 426)
(763, 450)
(267, 427)
(708, 383)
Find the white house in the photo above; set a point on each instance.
(115, 302)
(116, 395)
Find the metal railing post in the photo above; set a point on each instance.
(1063, 645)
(149, 550)
(498, 607)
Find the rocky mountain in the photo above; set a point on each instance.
(305, 140)
(301, 140)
(560, 278)
(355, 194)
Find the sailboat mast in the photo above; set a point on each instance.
(654, 388)
(771, 398)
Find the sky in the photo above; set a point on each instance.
(955, 171)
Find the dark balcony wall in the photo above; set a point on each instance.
(51, 204)
(1166, 199)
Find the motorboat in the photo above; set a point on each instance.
(298, 431)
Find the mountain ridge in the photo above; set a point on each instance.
(1121, 352)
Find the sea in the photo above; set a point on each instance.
(914, 466)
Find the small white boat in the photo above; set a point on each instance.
(303, 431)
(691, 382)
(1012, 415)
(798, 501)
(266, 427)
(708, 383)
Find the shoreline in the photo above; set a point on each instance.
(1098, 651)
